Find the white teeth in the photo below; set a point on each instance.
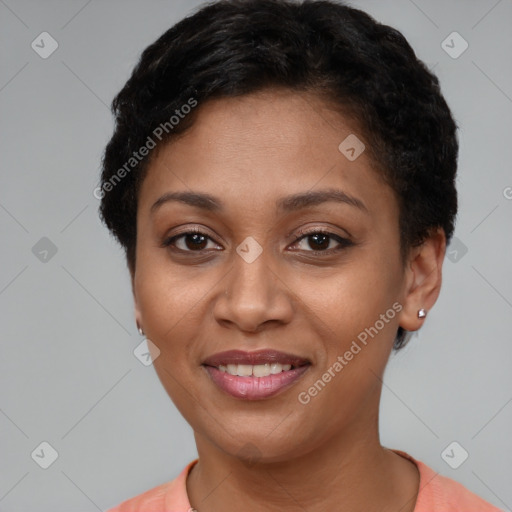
(258, 370)
(276, 368)
(244, 370)
(261, 370)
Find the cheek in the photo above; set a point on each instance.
(170, 306)
(354, 297)
(167, 293)
(357, 307)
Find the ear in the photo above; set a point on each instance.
(138, 314)
(423, 276)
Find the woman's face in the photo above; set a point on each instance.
(251, 280)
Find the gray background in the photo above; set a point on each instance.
(68, 375)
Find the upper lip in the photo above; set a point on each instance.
(254, 358)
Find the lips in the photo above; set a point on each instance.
(255, 375)
(259, 357)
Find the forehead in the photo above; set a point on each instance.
(252, 150)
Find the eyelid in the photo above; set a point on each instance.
(313, 230)
(185, 230)
(298, 236)
(170, 240)
(343, 241)
(325, 230)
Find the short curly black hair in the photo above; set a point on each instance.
(235, 47)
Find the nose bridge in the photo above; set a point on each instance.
(252, 280)
(253, 291)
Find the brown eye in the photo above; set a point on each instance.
(190, 241)
(321, 242)
(195, 241)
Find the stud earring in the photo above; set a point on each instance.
(422, 313)
(139, 328)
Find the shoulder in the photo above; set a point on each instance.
(168, 497)
(151, 500)
(438, 493)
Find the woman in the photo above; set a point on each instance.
(282, 180)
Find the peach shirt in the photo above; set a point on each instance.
(436, 494)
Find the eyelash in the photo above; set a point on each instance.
(343, 242)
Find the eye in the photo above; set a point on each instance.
(321, 242)
(192, 240)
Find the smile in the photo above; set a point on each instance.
(255, 375)
(258, 370)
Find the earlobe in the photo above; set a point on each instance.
(423, 280)
(138, 320)
(138, 314)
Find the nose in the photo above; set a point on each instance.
(255, 296)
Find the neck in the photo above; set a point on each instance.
(351, 468)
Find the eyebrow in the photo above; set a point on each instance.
(286, 204)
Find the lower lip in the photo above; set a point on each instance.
(255, 388)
